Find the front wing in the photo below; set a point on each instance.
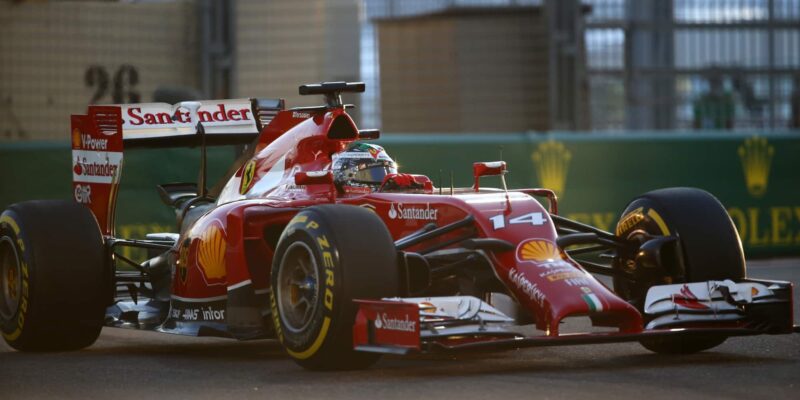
(460, 323)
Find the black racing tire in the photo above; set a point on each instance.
(55, 284)
(327, 256)
(711, 248)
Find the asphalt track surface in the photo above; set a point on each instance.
(142, 365)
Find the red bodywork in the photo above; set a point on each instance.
(542, 278)
(230, 247)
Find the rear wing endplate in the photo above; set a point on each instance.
(98, 139)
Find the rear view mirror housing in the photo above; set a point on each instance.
(489, 168)
(313, 178)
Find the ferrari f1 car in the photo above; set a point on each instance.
(340, 277)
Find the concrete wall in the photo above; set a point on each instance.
(56, 57)
(282, 44)
(48, 48)
(465, 71)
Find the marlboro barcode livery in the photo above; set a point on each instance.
(317, 240)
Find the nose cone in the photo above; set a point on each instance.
(554, 286)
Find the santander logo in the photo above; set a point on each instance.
(403, 211)
(138, 116)
(394, 324)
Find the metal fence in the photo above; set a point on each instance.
(664, 64)
(694, 64)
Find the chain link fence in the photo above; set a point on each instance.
(721, 64)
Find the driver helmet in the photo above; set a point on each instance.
(361, 167)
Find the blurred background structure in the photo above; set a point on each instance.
(694, 64)
(429, 65)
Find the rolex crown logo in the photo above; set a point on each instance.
(756, 155)
(552, 159)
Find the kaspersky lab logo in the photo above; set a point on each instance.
(551, 160)
(756, 155)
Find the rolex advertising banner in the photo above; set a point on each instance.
(756, 176)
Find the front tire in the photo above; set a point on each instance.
(711, 248)
(327, 256)
(54, 277)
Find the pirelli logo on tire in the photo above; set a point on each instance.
(629, 220)
(325, 263)
(638, 216)
(18, 277)
(276, 319)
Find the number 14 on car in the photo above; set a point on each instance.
(534, 218)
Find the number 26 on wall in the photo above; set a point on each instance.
(534, 218)
(121, 88)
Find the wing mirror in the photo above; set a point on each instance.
(489, 168)
(317, 178)
(313, 178)
(369, 134)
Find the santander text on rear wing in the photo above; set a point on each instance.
(99, 136)
(164, 125)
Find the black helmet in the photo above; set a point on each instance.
(361, 167)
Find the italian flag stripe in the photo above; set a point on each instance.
(593, 301)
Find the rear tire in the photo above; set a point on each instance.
(54, 277)
(711, 248)
(327, 256)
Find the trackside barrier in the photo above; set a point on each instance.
(756, 175)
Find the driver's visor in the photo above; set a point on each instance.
(374, 173)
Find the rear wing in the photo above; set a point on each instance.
(237, 121)
(99, 137)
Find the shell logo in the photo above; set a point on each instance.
(538, 250)
(211, 253)
(77, 143)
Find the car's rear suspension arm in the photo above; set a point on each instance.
(144, 244)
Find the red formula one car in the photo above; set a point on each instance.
(316, 240)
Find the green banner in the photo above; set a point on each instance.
(756, 176)
(44, 171)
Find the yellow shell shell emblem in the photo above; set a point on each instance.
(77, 142)
(211, 253)
(538, 250)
